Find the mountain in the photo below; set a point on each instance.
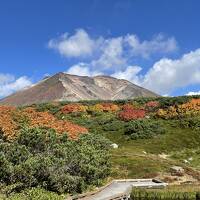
(66, 87)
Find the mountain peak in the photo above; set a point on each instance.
(68, 87)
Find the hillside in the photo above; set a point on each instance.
(61, 145)
(66, 87)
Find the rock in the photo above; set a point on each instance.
(114, 146)
(185, 161)
(190, 159)
(163, 155)
(177, 171)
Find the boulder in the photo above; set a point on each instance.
(177, 171)
(114, 146)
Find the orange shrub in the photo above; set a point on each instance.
(109, 107)
(7, 124)
(45, 119)
(70, 108)
(105, 107)
(187, 109)
(10, 118)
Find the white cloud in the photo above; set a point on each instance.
(79, 44)
(117, 56)
(130, 73)
(109, 54)
(9, 84)
(6, 78)
(193, 93)
(82, 69)
(159, 44)
(167, 75)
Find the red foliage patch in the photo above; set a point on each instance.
(129, 113)
(152, 104)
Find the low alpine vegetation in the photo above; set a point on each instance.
(143, 129)
(60, 147)
(38, 157)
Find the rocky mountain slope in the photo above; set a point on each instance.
(66, 87)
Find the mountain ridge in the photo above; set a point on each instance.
(68, 87)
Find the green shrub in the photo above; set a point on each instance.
(6, 169)
(47, 107)
(198, 196)
(192, 122)
(35, 194)
(40, 157)
(142, 194)
(141, 129)
(105, 118)
(165, 102)
(115, 125)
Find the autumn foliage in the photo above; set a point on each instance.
(152, 104)
(104, 107)
(45, 119)
(12, 118)
(7, 124)
(71, 108)
(9, 116)
(107, 107)
(130, 113)
(190, 108)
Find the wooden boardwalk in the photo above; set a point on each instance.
(120, 189)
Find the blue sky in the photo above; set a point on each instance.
(152, 43)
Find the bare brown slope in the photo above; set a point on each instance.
(44, 91)
(62, 87)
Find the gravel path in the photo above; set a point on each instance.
(122, 187)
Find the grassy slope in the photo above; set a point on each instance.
(131, 161)
(182, 192)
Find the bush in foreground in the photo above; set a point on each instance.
(40, 157)
(35, 194)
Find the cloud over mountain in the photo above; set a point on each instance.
(97, 55)
(10, 84)
(118, 56)
(79, 44)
